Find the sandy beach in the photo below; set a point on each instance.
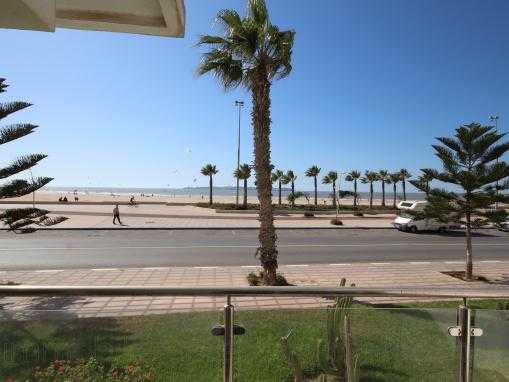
(95, 197)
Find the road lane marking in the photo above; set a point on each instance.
(380, 263)
(298, 265)
(249, 266)
(453, 262)
(341, 264)
(104, 269)
(419, 262)
(205, 267)
(48, 271)
(490, 261)
(206, 246)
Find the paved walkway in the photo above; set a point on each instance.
(396, 274)
(182, 217)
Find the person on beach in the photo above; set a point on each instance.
(116, 215)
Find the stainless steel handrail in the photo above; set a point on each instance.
(229, 292)
(316, 291)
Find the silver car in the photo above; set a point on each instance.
(504, 226)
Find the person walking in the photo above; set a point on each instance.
(116, 215)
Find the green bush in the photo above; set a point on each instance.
(336, 222)
(309, 214)
(256, 279)
(91, 370)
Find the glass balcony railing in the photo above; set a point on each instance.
(346, 341)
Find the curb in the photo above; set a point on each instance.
(196, 228)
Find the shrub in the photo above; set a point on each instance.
(358, 213)
(256, 279)
(91, 370)
(309, 214)
(336, 222)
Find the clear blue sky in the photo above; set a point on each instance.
(373, 83)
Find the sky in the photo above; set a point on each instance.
(373, 83)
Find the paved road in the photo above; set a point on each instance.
(101, 249)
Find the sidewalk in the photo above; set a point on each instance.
(189, 217)
(394, 274)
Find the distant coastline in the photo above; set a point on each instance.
(197, 191)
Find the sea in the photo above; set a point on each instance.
(221, 191)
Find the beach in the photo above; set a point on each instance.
(50, 196)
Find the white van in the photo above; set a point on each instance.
(407, 222)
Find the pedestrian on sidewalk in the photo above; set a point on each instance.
(116, 215)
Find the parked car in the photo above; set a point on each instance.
(504, 226)
(405, 221)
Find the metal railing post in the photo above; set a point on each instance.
(228, 340)
(463, 343)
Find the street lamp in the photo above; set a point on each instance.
(239, 104)
(494, 118)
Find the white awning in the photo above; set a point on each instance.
(151, 17)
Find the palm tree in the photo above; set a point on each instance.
(370, 177)
(252, 52)
(278, 176)
(395, 178)
(290, 177)
(243, 173)
(209, 170)
(353, 176)
(331, 178)
(385, 178)
(404, 175)
(313, 172)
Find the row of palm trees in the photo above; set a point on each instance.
(289, 177)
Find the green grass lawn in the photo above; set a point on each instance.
(404, 344)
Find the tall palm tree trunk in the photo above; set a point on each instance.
(293, 187)
(468, 236)
(371, 195)
(394, 191)
(245, 193)
(355, 193)
(279, 201)
(210, 189)
(316, 192)
(403, 183)
(260, 114)
(334, 194)
(383, 193)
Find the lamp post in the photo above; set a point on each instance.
(494, 118)
(239, 104)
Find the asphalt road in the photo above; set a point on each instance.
(131, 248)
(115, 248)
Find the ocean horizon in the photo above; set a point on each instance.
(219, 190)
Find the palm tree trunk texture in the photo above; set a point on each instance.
(383, 193)
(468, 236)
(355, 193)
(316, 193)
(293, 187)
(245, 193)
(371, 195)
(210, 189)
(279, 200)
(394, 195)
(403, 183)
(334, 194)
(260, 114)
